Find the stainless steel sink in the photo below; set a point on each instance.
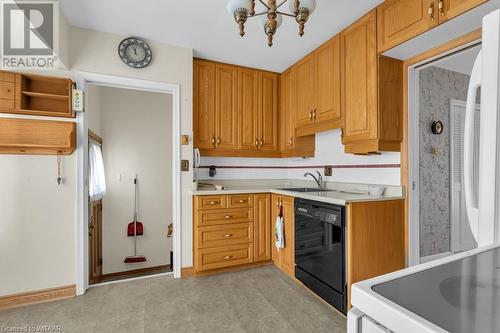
(305, 189)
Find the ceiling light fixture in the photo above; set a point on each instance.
(271, 17)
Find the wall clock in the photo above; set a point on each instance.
(135, 52)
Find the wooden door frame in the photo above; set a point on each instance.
(86, 78)
(412, 230)
(94, 137)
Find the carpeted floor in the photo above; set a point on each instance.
(255, 300)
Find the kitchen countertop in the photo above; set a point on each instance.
(337, 196)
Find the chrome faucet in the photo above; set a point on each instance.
(319, 179)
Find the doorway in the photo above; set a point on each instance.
(85, 80)
(130, 182)
(437, 94)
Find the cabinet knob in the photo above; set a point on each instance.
(228, 257)
(218, 140)
(213, 140)
(228, 217)
(310, 115)
(291, 141)
(241, 201)
(314, 114)
(256, 142)
(228, 235)
(261, 143)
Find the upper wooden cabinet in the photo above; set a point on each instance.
(318, 90)
(371, 92)
(267, 117)
(226, 107)
(35, 95)
(235, 110)
(449, 9)
(290, 144)
(401, 20)
(204, 104)
(215, 105)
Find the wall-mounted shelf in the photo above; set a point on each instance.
(44, 95)
(37, 137)
(35, 95)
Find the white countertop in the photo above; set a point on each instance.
(338, 196)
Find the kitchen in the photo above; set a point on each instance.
(298, 163)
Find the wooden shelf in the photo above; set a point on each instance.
(37, 137)
(44, 95)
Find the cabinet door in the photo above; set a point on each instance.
(226, 106)
(359, 79)
(268, 119)
(288, 253)
(451, 8)
(288, 104)
(248, 108)
(328, 81)
(204, 104)
(262, 227)
(401, 20)
(275, 209)
(305, 87)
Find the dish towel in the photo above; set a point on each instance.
(279, 238)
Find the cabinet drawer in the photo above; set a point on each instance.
(223, 235)
(224, 256)
(6, 103)
(6, 90)
(226, 216)
(212, 202)
(243, 200)
(6, 76)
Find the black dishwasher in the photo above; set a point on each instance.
(320, 250)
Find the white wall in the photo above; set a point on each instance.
(93, 109)
(95, 52)
(38, 223)
(329, 151)
(136, 128)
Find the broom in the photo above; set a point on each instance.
(137, 229)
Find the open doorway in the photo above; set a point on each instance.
(130, 219)
(437, 116)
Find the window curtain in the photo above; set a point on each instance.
(97, 181)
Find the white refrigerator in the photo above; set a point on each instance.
(459, 293)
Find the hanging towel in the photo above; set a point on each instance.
(279, 237)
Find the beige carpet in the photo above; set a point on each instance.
(256, 300)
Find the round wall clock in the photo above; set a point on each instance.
(135, 52)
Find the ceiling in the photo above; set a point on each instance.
(205, 26)
(460, 62)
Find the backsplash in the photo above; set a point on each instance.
(375, 169)
(437, 87)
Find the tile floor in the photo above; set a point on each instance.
(256, 300)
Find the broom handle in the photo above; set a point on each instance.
(135, 215)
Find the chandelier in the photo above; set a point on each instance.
(271, 18)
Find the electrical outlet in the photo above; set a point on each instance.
(328, 171)
(185, 165)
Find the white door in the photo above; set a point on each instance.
(482, 211)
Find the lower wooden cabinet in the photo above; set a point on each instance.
(284, 258)
(231, 230)
(262, 227)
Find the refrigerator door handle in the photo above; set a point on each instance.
(470, 205)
